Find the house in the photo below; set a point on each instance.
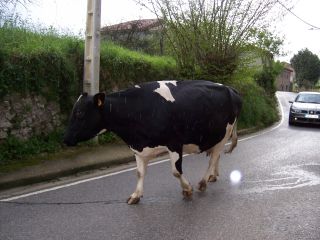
(142, 35)
(284, 81)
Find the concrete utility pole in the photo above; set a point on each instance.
(92, 48)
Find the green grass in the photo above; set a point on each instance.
(122, 67)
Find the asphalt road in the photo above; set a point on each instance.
(277, 197)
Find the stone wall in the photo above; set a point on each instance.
(25, 116)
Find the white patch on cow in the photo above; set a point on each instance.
(164, 90)
(141, 172)
(174, 156)
(137, 86)
(191, 148)
(148, 152)
(156, 151)
(184, 183)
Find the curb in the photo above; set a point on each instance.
(80, 161)
(18, 182)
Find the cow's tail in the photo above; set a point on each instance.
(234, 138)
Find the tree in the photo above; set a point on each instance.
(208, 35)
(266, 41)
(6, 4)
(307, 67)
(266, 77)
(7, 10)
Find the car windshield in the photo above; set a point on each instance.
(308, 98)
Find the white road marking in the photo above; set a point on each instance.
(76, 183)
(129, 169)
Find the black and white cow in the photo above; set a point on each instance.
(166, 116)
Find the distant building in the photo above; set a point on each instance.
(284, 81)
(142, 35)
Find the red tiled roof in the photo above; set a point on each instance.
(288, 66)
(142, 25)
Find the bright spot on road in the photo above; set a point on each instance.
(235, 176)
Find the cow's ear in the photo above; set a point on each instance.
(98, 99)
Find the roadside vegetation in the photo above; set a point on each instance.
(49, 63)
(307, 67)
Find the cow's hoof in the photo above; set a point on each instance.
(212, 178)
(187, 193)
(202, 185)
(133, 200)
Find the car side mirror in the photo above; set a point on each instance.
(290, 101)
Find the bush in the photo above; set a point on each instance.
(13, 149)
(52, 65)
(259, 108)
(38, 64)
(266, 77)
(121, 67)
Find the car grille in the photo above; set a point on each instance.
(307, 120)
(310, 111)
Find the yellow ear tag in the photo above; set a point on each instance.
(99, 103)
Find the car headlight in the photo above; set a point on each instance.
(295, 110)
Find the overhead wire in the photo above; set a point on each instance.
(309, 24)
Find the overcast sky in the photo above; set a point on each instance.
(71, 15)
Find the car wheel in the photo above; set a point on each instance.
(290, 122)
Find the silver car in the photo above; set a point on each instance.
(305, 108)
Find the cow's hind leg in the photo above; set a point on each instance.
(213, 169)
(141, 172)
(176, 164)
(215, 173)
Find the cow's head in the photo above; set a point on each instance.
(86, 119)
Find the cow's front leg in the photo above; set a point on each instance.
(176, 164)
(141, 172)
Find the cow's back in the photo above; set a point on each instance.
(197, 112)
